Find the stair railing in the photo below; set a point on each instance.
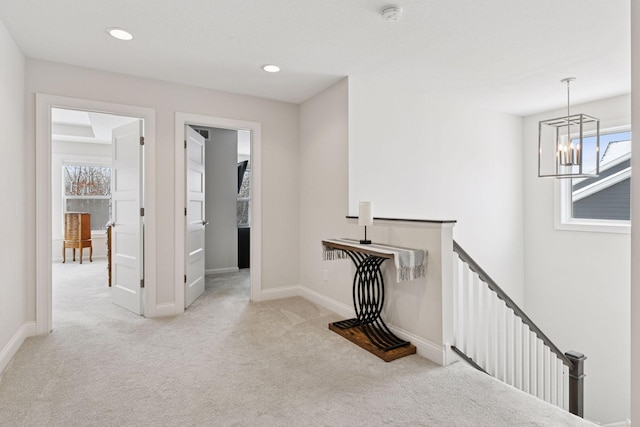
(493, 334)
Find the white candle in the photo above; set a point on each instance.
(365, 213)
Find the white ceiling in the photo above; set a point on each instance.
(507, 55)
(84, 126)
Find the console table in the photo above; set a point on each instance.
(367, 329)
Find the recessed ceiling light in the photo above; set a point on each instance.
(119, 33)
(271, 68)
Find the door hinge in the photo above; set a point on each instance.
(141, 211)
(142, 140)
(185, 143)
(142, 283)
(185, 211)
(185, 278)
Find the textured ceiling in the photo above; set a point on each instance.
(501, 54)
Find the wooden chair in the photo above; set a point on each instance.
(77, 234)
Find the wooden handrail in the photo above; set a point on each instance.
(464, 256)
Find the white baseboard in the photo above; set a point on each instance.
(28, 329)
(330, 304)
(222, 270)
(424, 348)
(279, 293)
(164, 310)
(625, 423)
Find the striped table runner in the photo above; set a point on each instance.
(410, 263)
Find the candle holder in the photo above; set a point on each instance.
(365, 217)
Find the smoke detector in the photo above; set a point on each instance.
(391, 13)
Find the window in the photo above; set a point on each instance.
(244, 198)
(602, 203)
(87, 188)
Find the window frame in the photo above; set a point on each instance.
(563, 198)
(81, 163)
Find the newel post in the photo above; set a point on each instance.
(576, 383)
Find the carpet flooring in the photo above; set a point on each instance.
(230, 362)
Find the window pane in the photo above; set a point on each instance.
(245, 188)
(607, 196)
(243, 213)
(87, 180)
(98, 208)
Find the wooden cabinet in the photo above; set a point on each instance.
(77, 234)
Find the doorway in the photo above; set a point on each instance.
(218, 200)
(82, 175)
(48, 108)
(90, 152)
(253, 131)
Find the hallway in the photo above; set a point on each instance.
(227, 361)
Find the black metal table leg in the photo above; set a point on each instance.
(368, 300)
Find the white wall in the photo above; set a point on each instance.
(635, 218)
(279, 158)
(66, 151)
(415, 306)
(221, 194)
(421, 157)
(582, 302)
(15, 250)
(324, 183)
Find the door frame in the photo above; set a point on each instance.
(44, 104)
(181, 120)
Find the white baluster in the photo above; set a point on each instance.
(502, 339)
(559, 383)
(478, 345)
(547, 373)
(533, 364)
(526, 358)
(456, 298)
(540, 368)
(509, 343)
(487, 332)
(565, 382)
(466, 310)
(518, 355)
(461, 331)
(553, 378)
(473, 330)
(492, 354)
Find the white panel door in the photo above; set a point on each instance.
(126, 203)
(194, 218)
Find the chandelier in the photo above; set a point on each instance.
(569, 146)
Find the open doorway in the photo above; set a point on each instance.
(81, 211)
(246, 140)
(128, 149)
(43, 232)
(218, 217)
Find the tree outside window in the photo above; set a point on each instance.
(87, 188)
